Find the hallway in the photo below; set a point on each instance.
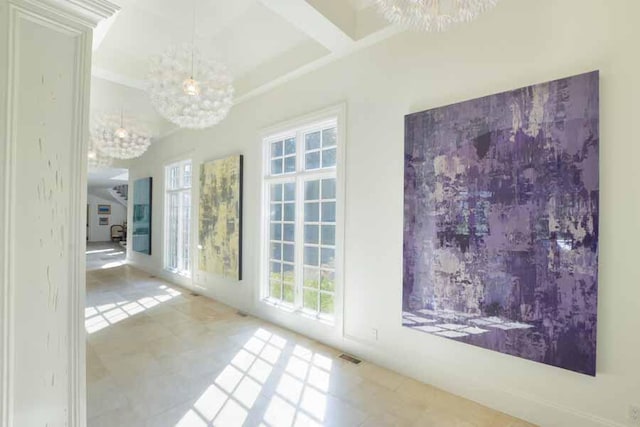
(160, 356)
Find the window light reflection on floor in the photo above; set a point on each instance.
(101, 316)
(300, 396)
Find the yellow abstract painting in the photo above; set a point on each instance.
(220, 217)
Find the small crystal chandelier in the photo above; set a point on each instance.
(114, 138)
(432, 15)
(189, 90)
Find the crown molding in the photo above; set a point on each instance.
(84, 12)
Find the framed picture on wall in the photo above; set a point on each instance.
(104, 221)
(104, 210)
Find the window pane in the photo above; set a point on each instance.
(289, 164)
(312, 160)
(329, 137)
(326, 303)
(311, 255)
(290, 192)
(329, 188)
(276, 251)
(329, 158)
(328, 235)
(312, 141)
(276, 192)
(187, 175)
(311, 234)
(275, 289)
(327, 257)
(288, 273)
(172, 177)
(288, 253)
(312, 190)
(329, 212)
(289, 232)
(276, 211)
(311, 278)
(172, 243)
(276, 167)
(276, 271)
(276, 149)
(276, 231)
(186, 231)
(310, 299)
(312, 212)
(290, 146)
(327, 280)
(289, 294)
(289, 212)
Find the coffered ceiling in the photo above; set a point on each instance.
(263, 42)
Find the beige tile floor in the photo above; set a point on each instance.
(159, 356)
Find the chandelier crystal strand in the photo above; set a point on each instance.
(190, 101)
(116, 138)
(432, 15)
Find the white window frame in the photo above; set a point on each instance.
(297, 128)
(181, 189)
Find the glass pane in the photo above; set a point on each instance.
(290, 146)
(327, 257)
(290, 192)
(289, 164)
(276, 149)
(328, 235)
(172, 177)
(312, 190)
(311, 234)
(311, 255)
(329, 137)
(312, 160)
(276, 271)
(276, 231)
(326, 303)
(288, 275)
(289, 294)
(312, 212)
(312, 141)
(329, 158)
(327, 280)
(289, 232)
(275, 289)
(172, 243)
(288, 253)
(329, 212)
(289, 211)
(329, 188)
(187, 175)
(276, 192)
(310, 299)
(276, 251)
(276, 167)
(311, 278)
(276, 211)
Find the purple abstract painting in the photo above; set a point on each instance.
(501, 222)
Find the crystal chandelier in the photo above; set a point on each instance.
(96, 159)
(117, 139)
(188, 90)
(432, 15)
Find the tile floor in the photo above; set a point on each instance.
(159, 356)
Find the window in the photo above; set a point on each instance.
(300, 212)
(178, 218)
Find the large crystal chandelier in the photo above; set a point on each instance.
(118, 139)
(96, 159)
(188, 90)
(432, 15)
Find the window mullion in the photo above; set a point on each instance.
(299, 228)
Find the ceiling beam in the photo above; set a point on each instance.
(312, 22)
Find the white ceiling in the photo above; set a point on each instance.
(107, 178)
(263, 42)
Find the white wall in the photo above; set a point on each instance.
(521, 42)
(102, 233)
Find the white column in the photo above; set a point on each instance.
(45, 67)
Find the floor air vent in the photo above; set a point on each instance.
(350, 359)
(241, 314)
